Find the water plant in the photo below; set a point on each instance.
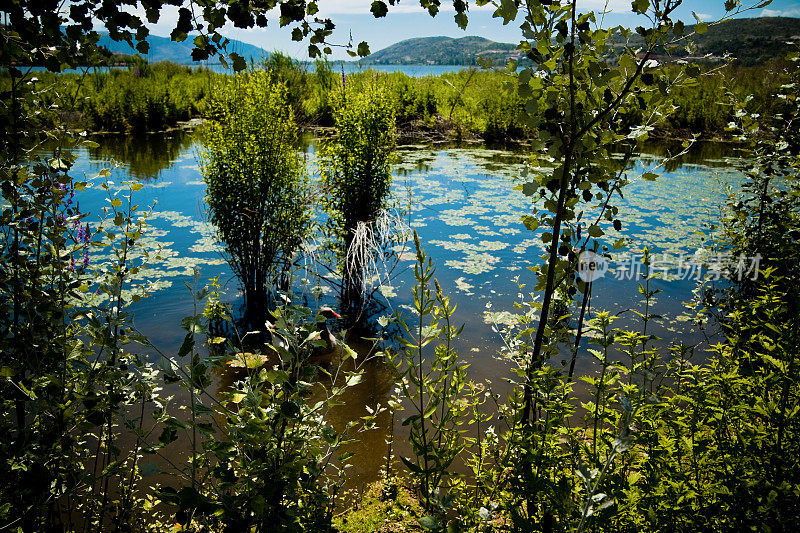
(256, 186)
(356, 178)
(434, 383)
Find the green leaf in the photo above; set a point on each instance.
(363, 49)
(692, 71)
(168, 435)
(531, 223)
(355, 379)
(410, 419)
(112, 468)
(187, 346)
(640, 6)
(595, 231)
(530, 188)
(379, 9)
(701, 27)
(239, 63)
(411, 466)
(507, 10)
(430, 523)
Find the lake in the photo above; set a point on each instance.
(462, 201)
(415, 71)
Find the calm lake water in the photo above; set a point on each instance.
(461, 200)
(415, 71)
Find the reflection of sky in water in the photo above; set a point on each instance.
(461, 200)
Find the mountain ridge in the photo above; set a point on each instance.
(441, 50)
(165, 49)
(750, 40)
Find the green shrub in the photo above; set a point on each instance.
(318, 107)
(256, 186)
(356, 175)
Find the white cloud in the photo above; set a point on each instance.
(791, 12)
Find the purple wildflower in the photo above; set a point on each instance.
(86, 258)
(72, 263)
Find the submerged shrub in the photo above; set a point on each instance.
(256, 186)
(356, 172)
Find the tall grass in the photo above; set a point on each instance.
(470, 103)
(142, 97)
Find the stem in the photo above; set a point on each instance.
(587, 290)
(600, 390)
(426, 488)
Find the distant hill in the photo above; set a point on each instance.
(442, 51)
(164, 49)
(752, 40)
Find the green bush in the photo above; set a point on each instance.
(256, 186)
(356, 175)
(318, 107)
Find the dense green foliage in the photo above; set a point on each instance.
(455, 105)
(256, 187)
(142, 97)
(656, 440)
(356, 176)
(275, 464)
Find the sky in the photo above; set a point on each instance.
(408, 19)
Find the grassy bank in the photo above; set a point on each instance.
(468, 104)
(137, 98)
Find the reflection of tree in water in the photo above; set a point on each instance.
(711, 154)
(146, 155)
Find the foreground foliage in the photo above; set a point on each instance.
(656, 439)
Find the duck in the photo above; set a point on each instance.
(325, 354)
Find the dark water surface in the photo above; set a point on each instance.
(462, 202)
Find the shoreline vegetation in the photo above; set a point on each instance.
(233, 428)
(468, 105)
